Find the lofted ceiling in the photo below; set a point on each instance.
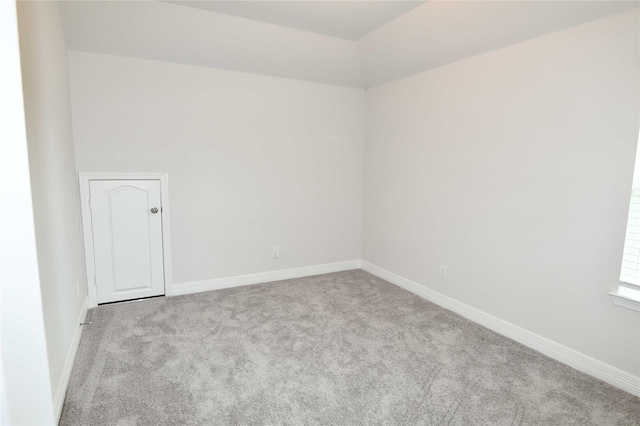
(443, 32)
(168, 32)
(348, 20)
(348, 43)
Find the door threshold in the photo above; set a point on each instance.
(142, 299)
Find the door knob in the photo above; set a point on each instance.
(154, 210)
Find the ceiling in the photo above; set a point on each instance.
(167, 32)
(349, 20)
(357, 44)
(442, 32)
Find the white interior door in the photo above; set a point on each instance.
(126, 220)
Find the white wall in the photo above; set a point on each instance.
(514, 169)
(53, 178)
(253, 161)
(25, 388)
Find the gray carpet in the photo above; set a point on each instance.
(337, 349)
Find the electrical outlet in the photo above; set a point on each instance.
(443, 272)
(276, 252)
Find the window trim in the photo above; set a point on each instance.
(624, 296)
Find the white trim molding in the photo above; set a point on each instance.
(263, 277)
(61, 391)
(626, 297)
(598, 369)
(87, 234)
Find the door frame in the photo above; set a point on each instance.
(84, 180)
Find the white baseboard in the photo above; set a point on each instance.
(262, 277)
(598, 369)
(68, 362)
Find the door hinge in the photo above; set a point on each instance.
(161, 210)
(95, 282)
(90, 203)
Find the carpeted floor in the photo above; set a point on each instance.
(337, 349)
